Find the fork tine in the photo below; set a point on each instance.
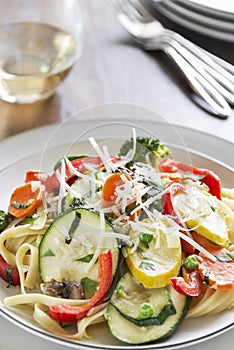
(128, 8)
(142, 10)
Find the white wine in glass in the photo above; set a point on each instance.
(37, 52)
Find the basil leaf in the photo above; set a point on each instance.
(86, 258)
(18, 205)
(143, 254)
(49, 253)
(28, 220)
(225, 257)
(89, 284)
(144, 265)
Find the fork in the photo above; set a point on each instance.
(211, 78)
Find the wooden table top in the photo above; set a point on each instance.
(113, 69)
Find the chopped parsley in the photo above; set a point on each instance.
(18, 205)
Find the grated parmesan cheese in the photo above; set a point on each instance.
(61, 176)
(99, 245)
(36, 185)
(105, 157)
(132, 190)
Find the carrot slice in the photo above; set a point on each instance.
(218, 275)
(109, 196)
(109, 188)
(208, 244)
(24, 201)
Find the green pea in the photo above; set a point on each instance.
(120, 291)
(146, 310)
(190, 262)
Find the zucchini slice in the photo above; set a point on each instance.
(130, 295)
(70, 243)
(129, 332)
(69, 201)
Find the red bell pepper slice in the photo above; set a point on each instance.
(168, 209)
(80, 164)
(44, 178)
(208, 177)
(167, 203)
(33, 175)
(167, 165)
(9, 273)
(66, 313)
(190, 284)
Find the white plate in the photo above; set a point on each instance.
(201, 19)
(216, 28)
(27, 151)
(200, 7)
(218, 5)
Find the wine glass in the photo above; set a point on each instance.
(40, 41)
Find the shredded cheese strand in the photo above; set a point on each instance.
(73, 169)
(104, 157)
(99, 244)
(192, 242)
(61, 177)
(129, 156)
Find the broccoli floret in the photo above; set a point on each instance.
(147, 149)
(4, 219)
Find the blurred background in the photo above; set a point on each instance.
(113, 69)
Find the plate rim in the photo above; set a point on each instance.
(76, 344)
(44, 129)
(196, 27)
(212, 8)
(198, 18)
